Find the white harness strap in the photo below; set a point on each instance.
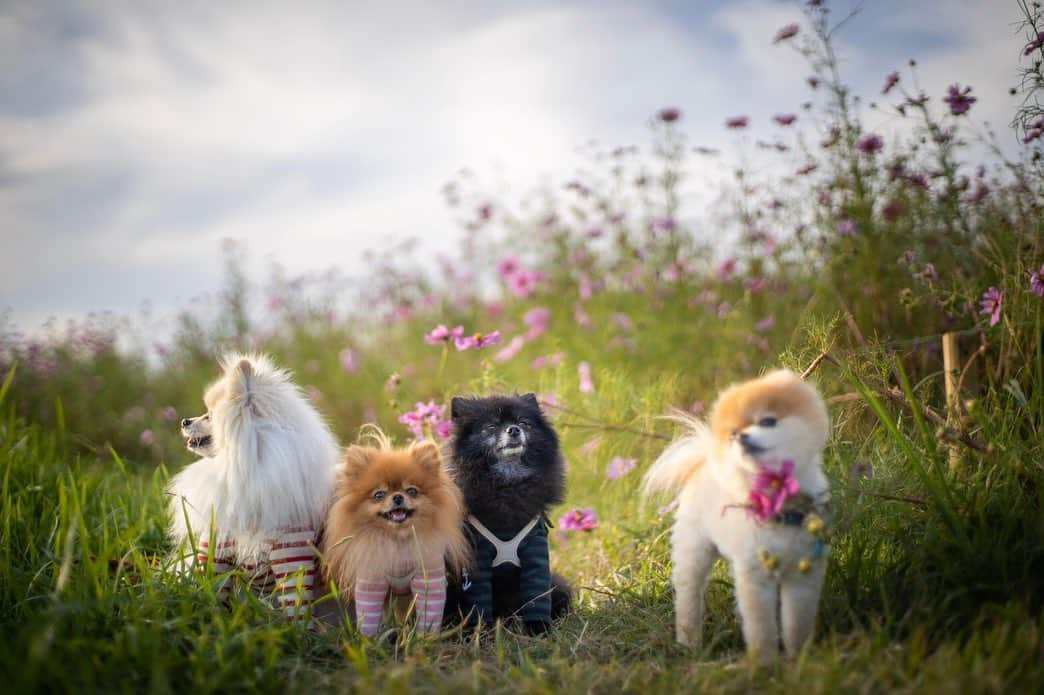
(507, 551)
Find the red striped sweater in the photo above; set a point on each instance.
(288, 572)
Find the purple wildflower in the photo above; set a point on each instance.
(477, 340)
(737, 122)
(669, 115)
(440, 334)
(579, 520)
(958, 99)
(788, 31)
(168, 414)
(771, 490)
(1037, 281)
(147, 438)
(870, 144)
(807, 169)
(991, 303)
(619, 467)
(891, 81)
(350, 360)
(846, 227)
(765, 324)
(785, 119)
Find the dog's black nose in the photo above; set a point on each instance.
(514, 431)
(744, 439)
(186, 422)
(397, 499)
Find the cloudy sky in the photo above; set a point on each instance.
(135, 136)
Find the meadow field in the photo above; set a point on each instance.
(852, 258)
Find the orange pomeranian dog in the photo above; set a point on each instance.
(395, 527)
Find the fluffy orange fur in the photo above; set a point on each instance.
(780, 393)
(359, 539)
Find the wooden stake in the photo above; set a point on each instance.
(951, 370)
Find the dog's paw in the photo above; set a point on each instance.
(536, 627)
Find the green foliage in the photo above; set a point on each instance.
(934, 582)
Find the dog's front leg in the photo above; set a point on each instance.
(799, 599)
(756, 598)
(693, 560)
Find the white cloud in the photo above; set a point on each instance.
(314, 133)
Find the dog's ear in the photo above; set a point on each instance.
(243, 375)
(460, 407)
(531, 399)
(427, 454)
(356, 459)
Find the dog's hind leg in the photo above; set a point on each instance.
(799, 599)
(756, 598)
(693, 560)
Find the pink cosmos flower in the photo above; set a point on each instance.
(958, 99)
(508, 266)
(765, 324)
(510, 350)
(444, 429)
(523, 283)
(737, 122)
(440, 334)
(785, 119)
(619, 467)
(1037, 281)
(582, 318)
(423, 414)
(726, 269)
(788, 31)
(890, 81)
(349, 360)
(168, 414)
(991, 303)
(147, 438)
(538, 320)
(550, 400)
(870, 144)
(771, 490)
(579, 520)
(586, 384)
(477, 341)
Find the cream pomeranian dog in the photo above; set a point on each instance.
(752, 491)
(259, 495)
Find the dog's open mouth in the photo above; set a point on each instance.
(511, 451)
(398, 516)
(199, 442)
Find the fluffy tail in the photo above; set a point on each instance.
(679, 461)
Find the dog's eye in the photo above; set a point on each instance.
(524, 423)
(767, 422)
(207, 416)
(412, 491)
(379, 495)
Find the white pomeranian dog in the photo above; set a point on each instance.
(257, 498)
(752, 491)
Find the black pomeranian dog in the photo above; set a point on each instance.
(506, 459)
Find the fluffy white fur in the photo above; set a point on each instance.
(273, 465)
(782, 418)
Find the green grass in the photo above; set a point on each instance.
(936, 579)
